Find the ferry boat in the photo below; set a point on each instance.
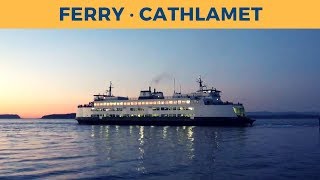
(201, 108)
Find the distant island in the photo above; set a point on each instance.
(9, 116)
(283, 115)
(60, 116)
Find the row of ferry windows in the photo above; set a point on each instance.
(141, 109)
(139, 103)
(142, 115)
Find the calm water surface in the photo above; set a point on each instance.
(61, 149)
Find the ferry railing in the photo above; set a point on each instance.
(135, 98)
(165, 97)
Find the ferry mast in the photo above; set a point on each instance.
(201, 85)
(109, 92)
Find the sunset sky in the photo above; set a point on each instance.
(52, 71)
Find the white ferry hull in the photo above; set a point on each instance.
(201, 108)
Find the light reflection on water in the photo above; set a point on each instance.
(61, 149)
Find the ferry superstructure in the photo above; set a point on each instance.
(201, 108)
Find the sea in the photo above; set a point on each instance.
(62, 149)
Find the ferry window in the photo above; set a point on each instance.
(162, 102)
(121, 103)
(174, 108)
(188, 101)
(159, 102)
(170, 102)
(179, 102)
(162, 108)
(143, 103)
(175, 102)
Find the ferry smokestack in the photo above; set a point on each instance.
(150, 88)
(154, 90)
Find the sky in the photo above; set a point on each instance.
(53, 71)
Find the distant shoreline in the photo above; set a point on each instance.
(9, 116)
(60, 116)
(284, 117)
